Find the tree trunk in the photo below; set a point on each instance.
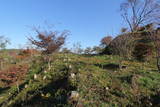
(17, 86)
(1, 65)
(49, 63)
(158, 63)
(120, 63)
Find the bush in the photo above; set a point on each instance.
(142, 51)
(13, 74)
(107, 51)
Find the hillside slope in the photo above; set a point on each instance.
(77, 80)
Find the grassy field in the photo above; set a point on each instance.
(83, 81)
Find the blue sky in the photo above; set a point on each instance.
(87, 20)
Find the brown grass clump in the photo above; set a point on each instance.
(13, 74)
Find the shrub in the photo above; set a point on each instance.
(106, 40)
(156, 41)
(13, 74)
(49, 42)
(142, 51)
(27, 52)
(108, 51)
(123, 46)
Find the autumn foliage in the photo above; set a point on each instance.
(13, 74)
(25, 53)
(106, 40)
(28, 52)
(49, 42)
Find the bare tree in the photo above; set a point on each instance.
(138, 13)
(66, 50)
(3, 43)
(77, 48)
(88, 50)
(123, 30)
